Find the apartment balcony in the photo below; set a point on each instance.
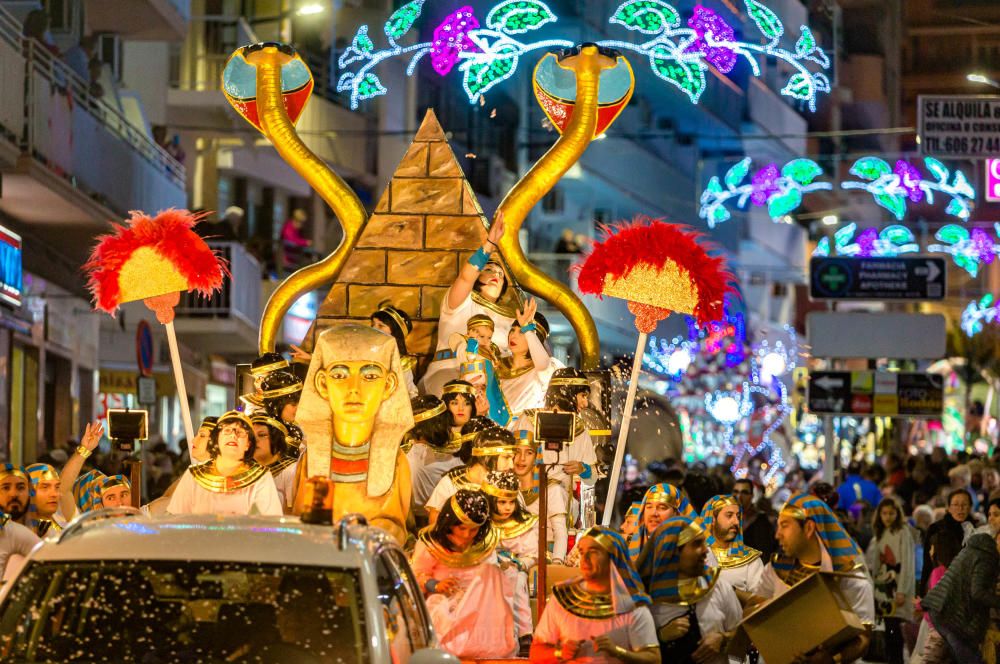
(148, 20)
(227, 323)
(70, 161)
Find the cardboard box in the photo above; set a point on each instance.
(813, 613)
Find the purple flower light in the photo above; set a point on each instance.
(704, 21)
(764, 184)
(451, 39)
(866, 243)
(982, 245)
(909, 180)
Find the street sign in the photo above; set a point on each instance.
(876, 335)
(883, 393)
(959, 125)
(903, 278)
(146, 387)
(144, 348)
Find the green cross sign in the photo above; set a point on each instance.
(833, 277)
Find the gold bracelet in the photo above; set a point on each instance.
(83, 451)
(621, 653)
(557, 653)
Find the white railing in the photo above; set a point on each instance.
(240, 296)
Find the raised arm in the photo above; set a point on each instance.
(91, 437)
(467, 276)
(536, 349)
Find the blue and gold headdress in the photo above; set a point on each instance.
(38, 472)
(659, 564)
(659, 493)
(845, 554)
(731, 554)
(626, 587)
(89, 487)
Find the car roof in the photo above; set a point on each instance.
(283, 540)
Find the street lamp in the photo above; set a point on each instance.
(979, 78)
(309, 9)
(831, 220)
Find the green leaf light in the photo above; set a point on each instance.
(519, 16)
(688, 76)
(803, 171)
(649, 17)
(767, 21)
(737, 173)
(779, 206)
(403, 19)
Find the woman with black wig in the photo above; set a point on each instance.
(396, 323)
(231, 483)
(455, 563)
(459, 397)
(430, 440)
(492, 449)
(273, 452)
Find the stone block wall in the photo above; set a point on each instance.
(425, 225)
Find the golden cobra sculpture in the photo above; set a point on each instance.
(280, 130)
(538, 181)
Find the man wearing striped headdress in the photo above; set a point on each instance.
(14, 492)
(44, 507)
(740, 565)
(811, 540)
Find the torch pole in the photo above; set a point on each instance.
(175, 360)
(543, 536)
(623, 429)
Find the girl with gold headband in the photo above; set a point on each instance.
(479, 288)
(492, 449)
(526, 459)
(43, 512)
(272, 451)
(396, 323)
(525, 373)
(661, 502)
(740, 565)
(430, 440)
(696, 615)
(517, 549)
(455, 563)
(232, 483)
(427, 477)
(603, 616)
(459, 398)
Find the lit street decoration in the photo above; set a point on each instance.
(968, 249)
(870, 243)
(892, 186)
(977, 314)
(487, 53)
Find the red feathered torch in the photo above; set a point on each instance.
(659, 268)
(154, 260)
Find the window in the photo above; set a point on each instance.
(406, 621)
(179, 611)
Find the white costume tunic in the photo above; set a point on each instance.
(261, 497)
(426, 479)
(557, 532)
(857, 588)
(745, 578)
(454, 320)
(632, 629)
(718, 611)
(444, 490)
(528, 389)
(284, 482)
(524, 549)
(476, 622)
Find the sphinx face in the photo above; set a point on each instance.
(354, 389)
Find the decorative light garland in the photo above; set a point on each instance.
(978, 313)
(870, 243)
(681, 56)
(782, 192)
(967, 249)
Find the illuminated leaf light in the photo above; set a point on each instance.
(871, 243)
(968, 250)
(781, 192)
(978, 314)
(681, 56)
(891, 187)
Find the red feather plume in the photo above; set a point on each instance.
(171, 236)
(653, 244)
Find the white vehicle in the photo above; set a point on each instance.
(115, 586)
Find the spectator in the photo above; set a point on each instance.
(293, 240)
(758, 529)
(955, 521)
(566, 244)
(891, 560)
(79, 57)
(960, 477)
(36, 27)
(855, 488)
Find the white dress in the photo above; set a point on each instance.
(426, 479)
(442, 493)
(454, 320)
(557, 532)
(284, 482)
(745, 578)
(261, 497)
(476, 622)
(718, 611)
(632, 630)
(528, 390)
(524, 548)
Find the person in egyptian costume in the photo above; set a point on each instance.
(517, 529)
(43, 511)
(630, 524)
(740, 564)
(526, 372)
(492, 449)
(280, 394)
(812, 539)
(602, 616)
(527, 457)
(274, 452)
(260, 368)
(455, 563)
(396, 322)
(696, 614)
(661, 502)
(430, 440)
(232, 483)
(354, 412)
(94, 490)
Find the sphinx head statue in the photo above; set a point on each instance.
(353, 401)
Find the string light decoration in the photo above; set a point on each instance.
(673, 358)
(488, 53)
(870, 243)
(968, 249)
(978, 313)
(782, 191)
(893, 186)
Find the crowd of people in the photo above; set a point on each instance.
(450, 461)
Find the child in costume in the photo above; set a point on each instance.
(428, 476)
(526, 460)
(525, 373)
(274, 453)
(395, 322)
(455, 563)
(517, 549)
(630, 524)
(459, 397)
(232, 483)
(492, 449)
